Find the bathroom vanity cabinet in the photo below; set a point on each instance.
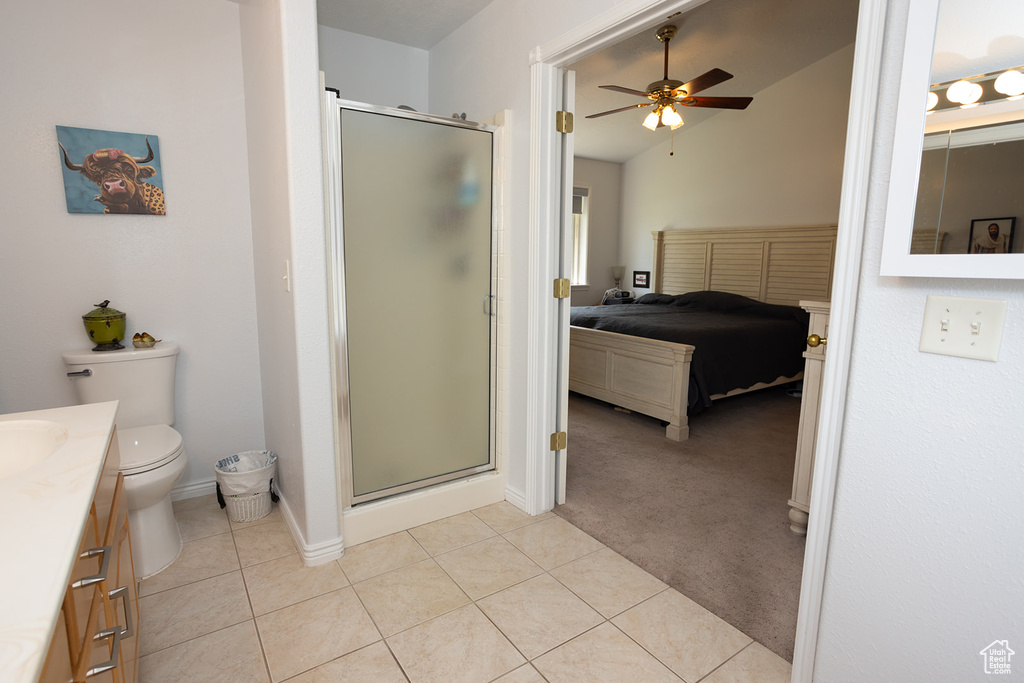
(95, 637)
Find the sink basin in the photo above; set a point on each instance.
(24, 443)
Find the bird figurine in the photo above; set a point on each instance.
(144, 340)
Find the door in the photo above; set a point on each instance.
(417, 236)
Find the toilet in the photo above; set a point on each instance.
(152, 455)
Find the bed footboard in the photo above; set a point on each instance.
(646, 375)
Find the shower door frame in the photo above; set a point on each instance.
(337, 305)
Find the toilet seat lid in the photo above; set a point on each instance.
(146, 448)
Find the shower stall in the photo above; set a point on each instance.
(413, 274)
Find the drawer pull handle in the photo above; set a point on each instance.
(115, 651)
(122, 593)
(104, 564)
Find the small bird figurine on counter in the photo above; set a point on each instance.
(144, 340)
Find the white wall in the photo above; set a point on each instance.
(171, 70)
(779, 162)
(924, 565)
(374, 71)
(279, 53)
(604, 179)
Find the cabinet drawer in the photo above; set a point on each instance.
(120, 588)
(95, 635)
(104, 649)
(83, 601)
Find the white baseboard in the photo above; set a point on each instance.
(516, 497)
(312, 555)
(194, 490)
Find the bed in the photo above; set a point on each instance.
(732, 344)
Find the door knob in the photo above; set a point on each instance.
(814, 340)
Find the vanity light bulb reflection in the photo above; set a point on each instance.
(973, 95)
(933, 100)
(1010, 83)
(959, 92)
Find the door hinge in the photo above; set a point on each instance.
(558, 441)
(562, 288)
(563, 121)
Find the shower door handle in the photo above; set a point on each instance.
(488, 307)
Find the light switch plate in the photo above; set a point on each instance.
(964, 327)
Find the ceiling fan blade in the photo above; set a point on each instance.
(717, 102)
(628, 91)
(616, 111)
(705, 81)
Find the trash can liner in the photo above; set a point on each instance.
(247, 472)
(245, 484)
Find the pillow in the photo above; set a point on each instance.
(727, 302)
(660, 299)
(713, 301)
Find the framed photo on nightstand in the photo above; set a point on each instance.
(991, 236)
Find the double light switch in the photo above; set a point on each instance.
(960, 326)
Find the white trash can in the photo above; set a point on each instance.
(245, 484)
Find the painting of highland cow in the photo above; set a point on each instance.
(108, 172)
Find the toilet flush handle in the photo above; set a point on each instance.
(81, 373)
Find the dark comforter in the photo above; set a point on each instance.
(738, 341)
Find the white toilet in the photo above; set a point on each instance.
(152, 455)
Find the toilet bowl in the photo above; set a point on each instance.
(152, 461)
(153, 457)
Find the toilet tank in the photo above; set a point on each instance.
(141, 379)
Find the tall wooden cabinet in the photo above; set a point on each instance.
(96, 634)
(814, 366)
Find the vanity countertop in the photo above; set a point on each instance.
(43, 511)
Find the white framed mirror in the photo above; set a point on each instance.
(930, 229)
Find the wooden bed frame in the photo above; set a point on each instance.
(778, 265)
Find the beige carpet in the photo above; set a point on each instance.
(707, 516)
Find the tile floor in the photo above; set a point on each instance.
(488, 595)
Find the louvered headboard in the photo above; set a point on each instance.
(778, 265)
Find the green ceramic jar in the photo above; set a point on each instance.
(105, 327)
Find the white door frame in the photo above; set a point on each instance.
(546, 176)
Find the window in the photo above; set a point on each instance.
(580, 210)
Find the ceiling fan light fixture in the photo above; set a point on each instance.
(670, 117)
(668, 93)
(652, 120)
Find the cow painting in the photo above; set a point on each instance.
(119, 175)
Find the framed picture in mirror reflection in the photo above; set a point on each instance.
(991, 236)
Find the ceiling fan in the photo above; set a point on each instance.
(665, 94)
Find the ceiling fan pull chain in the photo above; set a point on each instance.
(672, 144)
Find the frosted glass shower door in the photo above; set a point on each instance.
(417, 233)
